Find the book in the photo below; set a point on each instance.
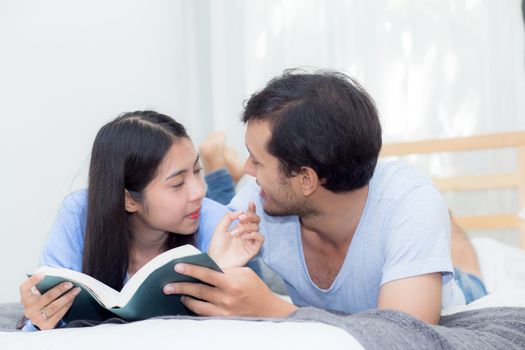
(141, 297)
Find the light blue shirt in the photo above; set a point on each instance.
(65, 244)
(404, 231)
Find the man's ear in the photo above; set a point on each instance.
(130, 205)
(309, 181)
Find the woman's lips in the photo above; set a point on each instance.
(194, 215)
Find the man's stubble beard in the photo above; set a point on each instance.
(289, 203)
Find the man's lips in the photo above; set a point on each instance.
(195, 214)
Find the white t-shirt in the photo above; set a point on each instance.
(404, 231)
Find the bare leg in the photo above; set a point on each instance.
(463, 254)
(212, 152)
(234, 163)
(215, 154)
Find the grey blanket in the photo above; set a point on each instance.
(491, 328)
(10, 315)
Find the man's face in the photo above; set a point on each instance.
(281, 196)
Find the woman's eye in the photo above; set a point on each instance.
(178, 185)
(197, 171)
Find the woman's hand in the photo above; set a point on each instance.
(236, 247)
(45, 311)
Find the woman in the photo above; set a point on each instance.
(145, 196)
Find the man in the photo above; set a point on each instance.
(344, 232)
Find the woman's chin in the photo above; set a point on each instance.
(189, 228)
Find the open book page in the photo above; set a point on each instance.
(136, 280)
(103, 293)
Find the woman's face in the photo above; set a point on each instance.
(172, 200)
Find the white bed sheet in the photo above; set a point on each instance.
(187, 334)
(514, 297)
(502, 265)
(503, 270)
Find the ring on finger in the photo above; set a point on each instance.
(45, 316)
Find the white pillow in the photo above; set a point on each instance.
(510, 298)
(187, 334)
(502, 265)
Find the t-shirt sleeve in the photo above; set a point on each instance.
(212, 213)
(418, 238)
(65, 243)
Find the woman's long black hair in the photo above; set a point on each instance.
(126, 155)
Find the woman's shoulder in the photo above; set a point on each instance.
(75, 202)
(66, 238)
(211, 214)
(212, 209)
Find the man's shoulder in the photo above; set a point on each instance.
(394, 179)
(249, 192)
(399, 171)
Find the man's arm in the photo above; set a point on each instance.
(236, 292)
(416, 250)
(419, 296)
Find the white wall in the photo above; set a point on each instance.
(435, 69)
(66, 68)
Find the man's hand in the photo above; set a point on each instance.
(236, 292)
(419, 296)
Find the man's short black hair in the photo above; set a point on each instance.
(323, 120)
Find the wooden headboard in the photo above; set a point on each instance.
(515, 179)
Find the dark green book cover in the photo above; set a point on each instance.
(147, 301)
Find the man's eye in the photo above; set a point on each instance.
(197, 171)
(178, 185)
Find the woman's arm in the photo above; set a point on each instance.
(63, 249)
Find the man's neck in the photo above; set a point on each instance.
(337, 218)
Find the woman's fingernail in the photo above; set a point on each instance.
(234, 232)
(169, 290)
(183, 299)
(76, 291)
(179, 268)
(243, 217)
(68, 285)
